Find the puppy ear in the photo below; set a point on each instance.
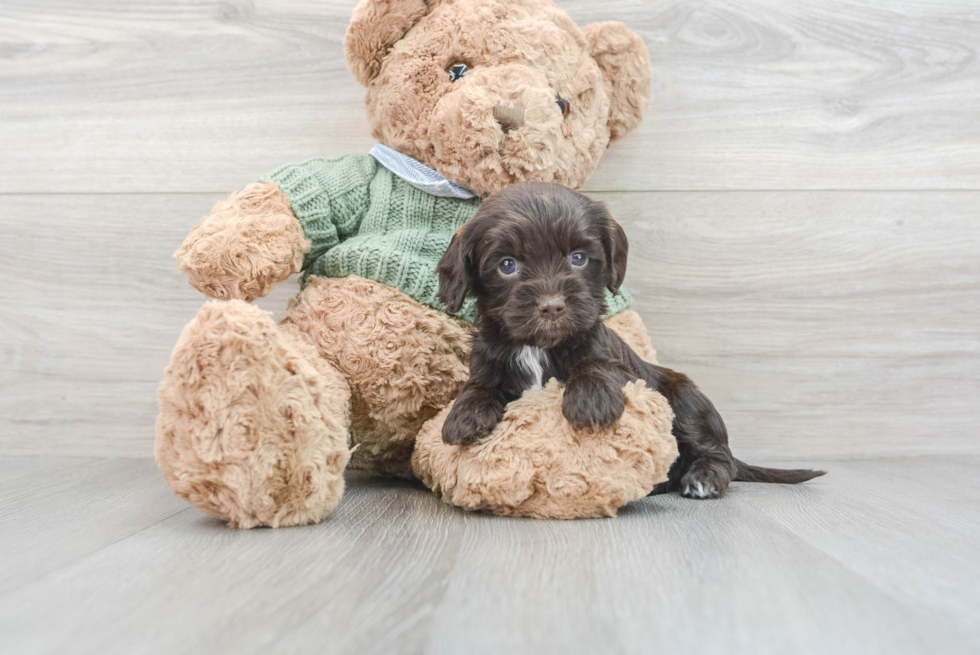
(454, 272)
(626, 71)
(617, 248)
(376, 26)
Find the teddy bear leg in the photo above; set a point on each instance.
(252, 429)
(404, 362)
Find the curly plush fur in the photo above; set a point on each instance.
(257, 421)
(352, 363)
(247, 245)
(536, 465)
(522, 55)
(249, 430)
(404, 362)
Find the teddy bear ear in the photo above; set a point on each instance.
(376, 26)
(625, 63)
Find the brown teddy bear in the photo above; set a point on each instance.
(258, 421)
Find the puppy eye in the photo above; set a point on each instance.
(578, 259)
(508, 267)
(457, 70)
(564, 105)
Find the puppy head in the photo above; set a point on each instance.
(538, 258)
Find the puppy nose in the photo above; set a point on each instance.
(510, 116)
(551, 308)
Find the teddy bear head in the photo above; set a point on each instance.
(495, 92)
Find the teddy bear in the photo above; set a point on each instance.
(259, 420)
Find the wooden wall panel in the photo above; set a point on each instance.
(154, 96)
(821, 323)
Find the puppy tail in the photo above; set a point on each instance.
(748, 473)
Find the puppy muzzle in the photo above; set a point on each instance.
(545, 313)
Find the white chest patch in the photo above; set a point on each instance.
(531, 361)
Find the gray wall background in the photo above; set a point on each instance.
(803, 204)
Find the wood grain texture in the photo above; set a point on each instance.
(821, 324)
(63, 509)
(834, 324)
(918, 544)
(92, 311)
(824, 567)
(153, 96)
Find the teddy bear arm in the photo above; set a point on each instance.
(247, 245)
(330, 198)
(281, 225)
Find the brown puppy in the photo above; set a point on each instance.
(539, 259)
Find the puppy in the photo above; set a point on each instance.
(539, 259)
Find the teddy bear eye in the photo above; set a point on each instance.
(457, 70)
(564, 106)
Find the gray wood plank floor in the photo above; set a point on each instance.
(880, 556)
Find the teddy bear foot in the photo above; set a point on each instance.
(253, 425)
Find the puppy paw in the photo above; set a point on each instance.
(705, 480)
(592, 405)
(468, 423)
(700, 489)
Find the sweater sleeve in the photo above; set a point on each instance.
(329, 197)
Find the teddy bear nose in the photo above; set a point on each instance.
(551, 308)
(510, 116)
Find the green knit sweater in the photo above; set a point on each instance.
(364, 220)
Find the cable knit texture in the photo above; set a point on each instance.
(361, 219)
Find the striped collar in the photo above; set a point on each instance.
(418, 174)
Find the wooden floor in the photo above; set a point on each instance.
(803, 207)
(880, 556)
